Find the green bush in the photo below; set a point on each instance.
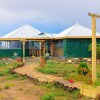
(98, 75)
(75, 94)
(15, 76)
(48, 97)
(97, 49)
(2, 73)
(23, 77)
(7, 86)
(83, 68)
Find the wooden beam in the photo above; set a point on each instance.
(23, 42)
(93, 49)
(40, 43)
(75, 37)
(93, 14)
(44, 49)
(27, 39)
(32, 39)
(9, 39)
(52, 48)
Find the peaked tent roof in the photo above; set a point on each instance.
(27, 31)
(76, 30)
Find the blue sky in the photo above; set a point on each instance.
(52, 16)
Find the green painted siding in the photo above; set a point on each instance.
(76, 47)
(10, 52)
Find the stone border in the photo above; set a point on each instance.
(59, 83)
(35, 80)
(12, 69)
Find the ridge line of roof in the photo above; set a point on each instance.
(18, 30)
(73, 28)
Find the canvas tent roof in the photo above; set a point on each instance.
(76, 30)
(27, 31)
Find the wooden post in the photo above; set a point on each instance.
(93, 49)
(52, 48)
(40, 47)
(94, 16)
(40, 42)
(23, 42)
(44, 48)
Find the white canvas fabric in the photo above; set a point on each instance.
(28, 31)
(77, 30)
(25, 31)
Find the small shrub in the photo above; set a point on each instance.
(97, 49)
(98, 75)
(15, 75)
(2, 73)
(83, 68)
(75, 94)
(48, 97)
(7, 86)
(23, 77)
(97, 83)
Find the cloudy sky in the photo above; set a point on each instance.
(51, 16)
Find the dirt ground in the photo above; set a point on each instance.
(19, 90)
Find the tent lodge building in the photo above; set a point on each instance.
(71, 43)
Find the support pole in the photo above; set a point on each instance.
(52, 48)
(93, 49)
(40, 42)
(23, 42)
(44, 48)
(40, 48)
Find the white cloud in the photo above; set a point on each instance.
(8, 17)
(61, 11)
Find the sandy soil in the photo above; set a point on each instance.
(19, 90)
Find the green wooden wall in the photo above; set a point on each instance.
(76, 48)
(71, 48)
(10, 52)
